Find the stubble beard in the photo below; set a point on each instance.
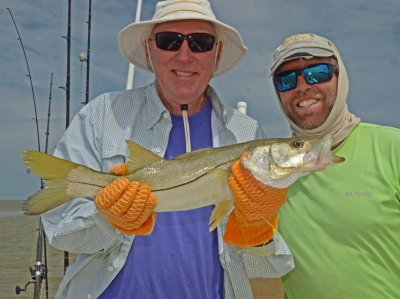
(314, 119)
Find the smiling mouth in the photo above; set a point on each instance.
(185, 74)
(307, 103)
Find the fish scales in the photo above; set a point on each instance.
(189, 167)
(189, 181)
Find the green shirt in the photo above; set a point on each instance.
(343, 224)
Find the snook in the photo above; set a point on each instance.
(189, 181)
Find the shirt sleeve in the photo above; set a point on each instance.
(269, 261)
(67, 225)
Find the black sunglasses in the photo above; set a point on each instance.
(172, 41)
(313, 74)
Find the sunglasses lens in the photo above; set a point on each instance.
(199, 42)
(317, 74)
(285, 81)
(313, 74)
(169, 41)
(172, 41)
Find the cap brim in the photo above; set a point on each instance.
(300, 52)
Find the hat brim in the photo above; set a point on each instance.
(132, 39)
(301, 52)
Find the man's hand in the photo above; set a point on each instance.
(128, 206)
(255, 216)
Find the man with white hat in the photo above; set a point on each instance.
(341, 224)
(176, 256)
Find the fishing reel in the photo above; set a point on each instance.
(39, 270)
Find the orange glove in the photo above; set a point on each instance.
(255, 215)
(128, 206)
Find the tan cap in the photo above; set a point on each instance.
(302, 45)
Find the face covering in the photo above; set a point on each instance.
(340, 122)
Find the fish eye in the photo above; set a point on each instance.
(298, 144)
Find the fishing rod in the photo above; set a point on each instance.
(48, 115)
(67, 92)
(30, 78)
(42, 233)
(39, 272)
(67, 85)
(87, 59)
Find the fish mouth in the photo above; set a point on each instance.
(325, 156)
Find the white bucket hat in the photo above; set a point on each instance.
(131, 39)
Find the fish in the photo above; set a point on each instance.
(189, 181)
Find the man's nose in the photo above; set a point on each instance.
(184, 53)
(302, 83)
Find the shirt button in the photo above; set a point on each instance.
(117, 231)
(158, 150)
(110, 269)
(89, 296)
(165, 115)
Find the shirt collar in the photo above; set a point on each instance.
(154, 107)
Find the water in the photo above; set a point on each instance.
(18, 241)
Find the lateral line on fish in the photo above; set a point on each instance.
(83, 183)
(173, 187)
(200, 176)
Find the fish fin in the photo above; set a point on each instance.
(47, 166)
(193, 153)
(46, 199)
(219, 213)
(139, 156)
(220, 176)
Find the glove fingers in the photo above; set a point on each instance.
(147, 210)
(145, 229)
(121, 205)
(247, 181)
(111, 193)
(252, 201)
(145, 213)
(246, 209)
(139, 203)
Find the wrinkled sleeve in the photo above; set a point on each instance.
(77, 226)
(269, 261)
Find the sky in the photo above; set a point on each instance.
(366, 33)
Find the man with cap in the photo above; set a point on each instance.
(342, 224)
(125, 249)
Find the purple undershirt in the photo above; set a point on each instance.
(179, 259)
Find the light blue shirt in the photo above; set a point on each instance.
(96, 138)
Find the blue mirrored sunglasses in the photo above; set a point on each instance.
(313, 74)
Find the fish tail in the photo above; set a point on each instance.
(46, 199)
(64, 180)
(47, 166)
(219, 213)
